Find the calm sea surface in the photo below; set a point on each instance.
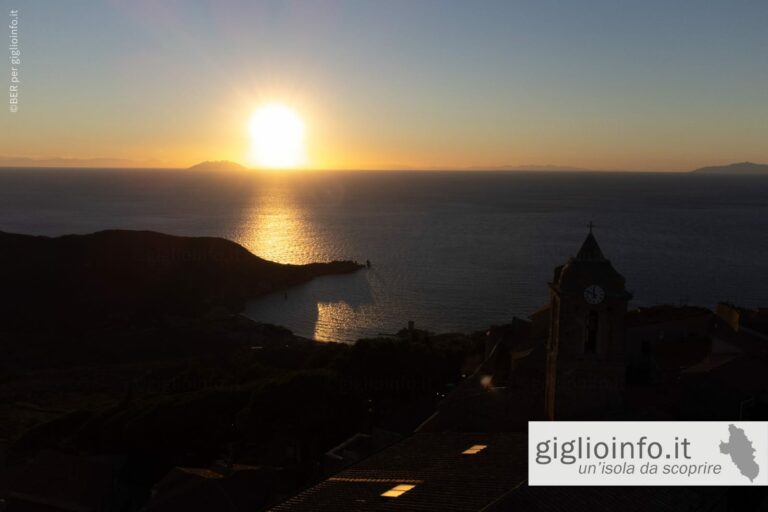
(451, 251)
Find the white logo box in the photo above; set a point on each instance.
(658, 453)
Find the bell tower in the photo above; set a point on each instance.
(586, 346)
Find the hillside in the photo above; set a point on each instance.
(135, 273)
(738, 168)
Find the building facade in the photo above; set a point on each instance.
(586, 348)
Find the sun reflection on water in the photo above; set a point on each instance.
(340, 321)
(276, 228)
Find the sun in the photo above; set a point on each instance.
(277, 137)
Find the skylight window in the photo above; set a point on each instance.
(474, 449)
(398, 490)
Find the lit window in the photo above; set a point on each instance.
(472, 450)
(398, 490)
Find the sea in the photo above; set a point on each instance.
(451, 251)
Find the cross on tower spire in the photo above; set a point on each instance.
(590, 226)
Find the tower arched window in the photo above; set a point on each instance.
(590, 339)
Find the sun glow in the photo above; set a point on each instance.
(277, 137)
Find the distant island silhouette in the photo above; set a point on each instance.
(737, 168)
(218, 165)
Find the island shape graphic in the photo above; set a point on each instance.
(739, 447)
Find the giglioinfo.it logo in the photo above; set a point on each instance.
(647, 453)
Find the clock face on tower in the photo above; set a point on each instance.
(594, 294)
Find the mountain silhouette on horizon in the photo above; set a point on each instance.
(218, 165)
(737, 168)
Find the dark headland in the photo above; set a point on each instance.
(138, 274)
(737, 168)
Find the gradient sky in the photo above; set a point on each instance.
(642, 85)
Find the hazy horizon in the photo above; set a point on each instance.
(116, 164)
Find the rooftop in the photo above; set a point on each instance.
(590, 250)
(443, 471)
(471, 472)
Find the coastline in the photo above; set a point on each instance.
(139, 273)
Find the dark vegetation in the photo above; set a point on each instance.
(238, 391)
(187, 406)
(129, 344)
